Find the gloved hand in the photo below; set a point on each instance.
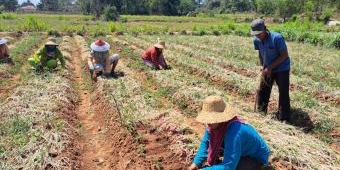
(91, 67)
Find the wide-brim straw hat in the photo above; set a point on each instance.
(3, 41)
(215, 110)
(100, 46)
(160, 44)
(51, 43)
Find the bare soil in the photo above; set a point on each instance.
(103, 143)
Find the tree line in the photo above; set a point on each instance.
(314, 9)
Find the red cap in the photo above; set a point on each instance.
(100, 42)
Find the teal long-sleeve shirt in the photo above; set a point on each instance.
(239, 140)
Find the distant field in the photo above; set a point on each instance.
(238, 24)
(144, 119)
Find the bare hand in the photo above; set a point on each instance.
(267, 71)
(193, 167)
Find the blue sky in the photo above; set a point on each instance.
(33, 1)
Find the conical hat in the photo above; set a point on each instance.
(100, 46)
(51, 41)
(3, 41)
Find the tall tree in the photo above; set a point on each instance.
(186, 6)
(164, 7)
(9, 5)
(265, 6)
(97, 7)
(49, 5)
(286, 8)
(85, 6)
(27, 3)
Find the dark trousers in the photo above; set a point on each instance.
(245, 163)
(282, 81)
(248, 163)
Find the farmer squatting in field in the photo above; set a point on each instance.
(47, 56)
(275, 64)
(153, 57)
(100, 61)
(230, 137)
(4, 52)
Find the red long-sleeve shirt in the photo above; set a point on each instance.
(151, 55)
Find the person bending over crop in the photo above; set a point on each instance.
(228, 142)
(100, 61)
(154, 58)
(4, 52)
(46, 56)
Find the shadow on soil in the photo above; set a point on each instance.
(117, 75)
(300, 118)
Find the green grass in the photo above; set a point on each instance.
(34, 125)
(314, 33)
(268, 127)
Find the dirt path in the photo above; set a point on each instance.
(93, 142)
(103, 142)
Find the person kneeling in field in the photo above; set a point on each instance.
(100, 61)
(230, 137)
(154, 58)
(4, 52)
(47, 56)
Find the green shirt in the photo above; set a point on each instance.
(41, 55)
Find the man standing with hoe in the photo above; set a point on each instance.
(275, 62)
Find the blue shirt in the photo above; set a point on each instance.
(270, 50)
(239, 140)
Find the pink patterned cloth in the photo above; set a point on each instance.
(216, 139)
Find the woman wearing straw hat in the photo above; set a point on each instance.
(47, 56)
(229, 137)
(4, 52)
(100, 60)
(154, 58)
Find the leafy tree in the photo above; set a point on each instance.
(186, 6)
(9, 5)
(49, 5)
(314, 9)
(27, 3)
(110, 13)
(97, 7)
(286, 8)
(265, 6)
(2, 8)
(239, 5)
(65, 4)
(136, 7)
(85, 6)
(165, 7)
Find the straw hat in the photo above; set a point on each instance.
(51, 41)
(160, 44)
(215, 110)
(3, 41)
(100, 46)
